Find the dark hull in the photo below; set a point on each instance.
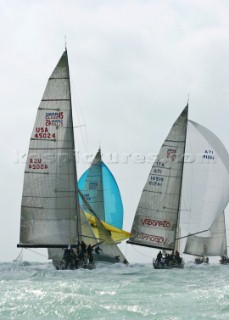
(201, 260)
(224, 261)
(60, 264)
(169, 265)
(73, 265)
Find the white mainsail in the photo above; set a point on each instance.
(205, 191)
(157, 215)
(50, 209)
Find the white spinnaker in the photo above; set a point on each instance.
(215, 245)
(205, 190)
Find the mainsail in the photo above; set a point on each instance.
(50, 215)
(205, 191)
(101, 191)
(157, 216)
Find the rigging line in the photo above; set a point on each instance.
(20, 256)
(84, 236)
(77, 102)
(99, 239)
(40, 254)
(145, 255)
(192, 234)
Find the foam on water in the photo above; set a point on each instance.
(38, 291)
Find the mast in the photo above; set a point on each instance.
(102, 182)
(78, 222)
(176, 242)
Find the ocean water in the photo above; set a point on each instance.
(38, 291)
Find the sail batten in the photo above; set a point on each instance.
(53, 100)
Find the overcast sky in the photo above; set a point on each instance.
(132, 63)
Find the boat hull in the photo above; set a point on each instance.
(102, 257)
(171, 265)
(201, 260)
(224, 261)
(60, 264)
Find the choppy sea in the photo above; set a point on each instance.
(38, 291)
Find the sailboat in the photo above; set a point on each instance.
(212, 245)
(205, 193)
(100, 190)
(185, 196)
(50, 212)
(157, 219)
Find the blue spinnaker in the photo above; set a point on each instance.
(101, 191)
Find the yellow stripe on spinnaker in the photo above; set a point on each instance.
(116, 233)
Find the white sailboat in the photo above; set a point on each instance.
(215, 244)
(185, 197)
(205, 193)
(50, 212)
(157, 218)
